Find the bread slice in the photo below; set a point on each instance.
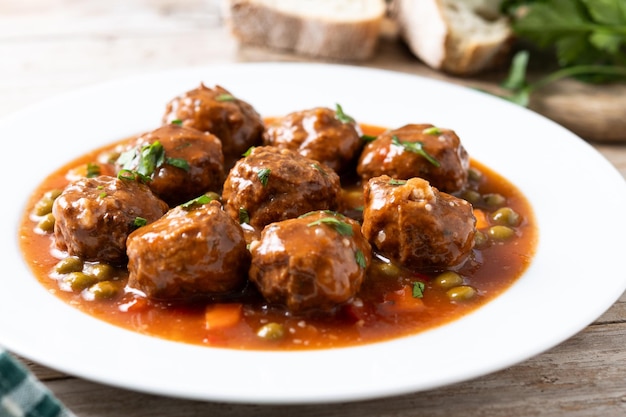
(460, 37)
(344, 30)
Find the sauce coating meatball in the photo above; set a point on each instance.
(94, 216)
(319, 134)
(192, 162)
(189, 252)
(235, 122)
(272, 184)
(397, 153)
(312, 263)
(416, 224)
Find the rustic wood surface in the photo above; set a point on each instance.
(48, 47)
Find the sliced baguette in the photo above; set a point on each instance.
(337, 29)
(460, 37)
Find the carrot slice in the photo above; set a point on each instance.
(221, 316)
(403, 300)
(481, 219)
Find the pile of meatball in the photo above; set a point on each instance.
(216, 199)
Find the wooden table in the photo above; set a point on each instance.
(48, 47)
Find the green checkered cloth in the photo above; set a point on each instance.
(22, 395)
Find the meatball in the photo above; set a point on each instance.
(191, 251)
(416, 224)
(272, 184)
(235, 122)
(417, 150)
(322, 134)
(182, 162)
(94, 216)
(313, 263)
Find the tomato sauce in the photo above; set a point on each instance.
(386, 307)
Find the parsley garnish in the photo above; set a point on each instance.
(177, 122)
(225, 97)
(178, 163)
(244, 216)
(341, 227)
(145, 160)
(140, 221)
(341, 116)
(418, 289)
(368, 138)
(93, 170)
(432, 131)
(320, 169)
(415, 147)
(394, 181)
(359, 256)
(264, 175)
(249, 151)
(203, 199)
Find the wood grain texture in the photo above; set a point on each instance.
(49, 47)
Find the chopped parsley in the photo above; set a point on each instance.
(140, 221)
(394, 181)
(249, 151)
(177, 122)
(432, 131)
(93, 170)
(415, 147)
(143, 161)
(368, 138)
(203, 199)
(244, 216)
(320, 169)
(341, 116)
(264, 175)
(418, 289)
(225, 97)
(340, 226)
(359, 256)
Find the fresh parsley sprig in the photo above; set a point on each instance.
(415, 147)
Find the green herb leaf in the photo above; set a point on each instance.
(264, 175)
(432, 131)
(418, 289)
(203, 199)
(340, 226)
(394, 181)
(93, 170)
(341, 116)
(320, 169)
(139, 222)
(225, 97)
(415, 147)
(359, 256)
(249, 151)
(178, 163)
(244, 216)
(177, 122)
(368, 138)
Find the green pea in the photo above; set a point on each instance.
(472, 196)
(104, 290)
(44, 205)
(506, 216)
(448, 279)
(271, 331)
(474, 175)
(480, 239)
(69, 264)
(500, 232)
(102, 271)
(78, 281)
(494, 199)
(461, 293)
(387, 269)
(46, 223)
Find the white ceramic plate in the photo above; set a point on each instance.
(578, 197)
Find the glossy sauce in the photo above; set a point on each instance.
(384, 308)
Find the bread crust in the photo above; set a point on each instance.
(254, 23)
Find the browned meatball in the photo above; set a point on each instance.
(312, 263)
(235, 122)
(417, 225)
(189, 252)
(272, 184)
(396, 153)
(318, 134)
(182, 163)
(94, 216)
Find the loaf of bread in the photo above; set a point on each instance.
(345, 30)
(460, 37)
